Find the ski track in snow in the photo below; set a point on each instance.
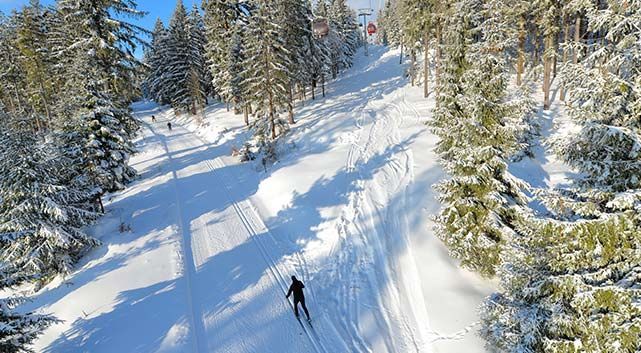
(253, 226)
(228, 272)
(369, 204)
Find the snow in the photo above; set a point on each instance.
(213, 242)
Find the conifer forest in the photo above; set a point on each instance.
(453, 176)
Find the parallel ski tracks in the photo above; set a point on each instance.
(216, 166)
(187, 260)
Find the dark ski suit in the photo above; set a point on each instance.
(297, 288)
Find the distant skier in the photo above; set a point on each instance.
(169, 126)
(297, 288)
(153, 118)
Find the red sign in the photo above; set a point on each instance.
(371, 28)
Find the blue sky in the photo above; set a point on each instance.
(164, 8)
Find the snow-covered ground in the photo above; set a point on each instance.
(213, 242)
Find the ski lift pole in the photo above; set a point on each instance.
(365, 13)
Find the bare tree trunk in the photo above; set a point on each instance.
(246, 115)
(577, 38)
(400, 61)
(102, 207)
(426, 64)
(566, 38)
(437, 64)
(547, 70)
(290, 106)
(313, 89)
(413, 67)
(520, 62)
(323, 84)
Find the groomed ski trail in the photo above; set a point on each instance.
(195, 318)
(195, 252)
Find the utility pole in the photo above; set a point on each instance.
(365, 13)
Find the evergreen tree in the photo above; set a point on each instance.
(178, 63)
(156, 82)
(343, 20)
(605, 101)
(200, 78)
(295, 20)
(35, 60)
(18, 330)
(481, 197)
(40, 218)
(267, 62)
(223, 21)
(569, 287)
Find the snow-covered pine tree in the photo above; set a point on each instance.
(12, 88)
(569, 286)
(481, 198)
(96, 32)
(604, 100)
(107, 146)
(343, 20)
(456, 41)
(571, 282)
(389, 24)
(234, 87)
(222, 22)
(547, 16)
(35, 60)
(156, 82)
(178, 60)
(295, 21)
(40, 217)
(417, 26)
(18, 330)
(266, 64)
(200, 78)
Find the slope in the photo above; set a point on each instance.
(213, 242)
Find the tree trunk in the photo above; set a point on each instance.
(577, 38)
(547, 70)
(426, 64)
(566, 38)
(102, 207)
(323, 84)
(246, 115)
(313, 89)
(413, 67)
(290, 106)
(520, 62)
(400, 61)
(437, 64)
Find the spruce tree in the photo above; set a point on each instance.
(481, 198)
(200, 78)
(604, 100)
(17, 329)
(156, 82)
(223, 21)
(40, 217)
(267, 62)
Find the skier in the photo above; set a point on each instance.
(169, 126)
(297, 288)
(153, 118)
